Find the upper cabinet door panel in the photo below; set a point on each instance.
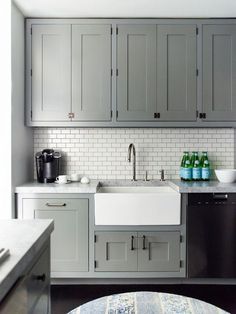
(91, 72)
(51, 68)
(219, 72)
(176, 72)
(136, 81)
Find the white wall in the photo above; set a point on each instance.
(128, 8)
(22, 137)
(5, 109)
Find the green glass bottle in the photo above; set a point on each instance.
(196, 176)
(182, 165)
(206, 172)
(187, 169)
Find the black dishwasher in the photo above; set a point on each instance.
(211, 235)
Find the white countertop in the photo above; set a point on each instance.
(91, 188)
(72, 187)
(24, 238)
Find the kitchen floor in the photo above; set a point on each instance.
(68, 297)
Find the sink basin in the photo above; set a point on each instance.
(135, 189)
(137, 205)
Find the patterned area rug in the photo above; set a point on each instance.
(146, 303)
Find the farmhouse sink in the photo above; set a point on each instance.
(137, 205)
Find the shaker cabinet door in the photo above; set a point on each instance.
(69, 240)
(115, 251)
(176, 72)
(136, 65)
(51, 72)
(91, 72)
(159, 251)
(219, 72)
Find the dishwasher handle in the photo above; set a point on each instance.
(220, 196)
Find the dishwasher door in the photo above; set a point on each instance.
(211, 235)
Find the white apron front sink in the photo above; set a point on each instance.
(137, 205)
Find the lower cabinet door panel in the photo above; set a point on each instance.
(159, 251)
(115, 251)
(69, 240)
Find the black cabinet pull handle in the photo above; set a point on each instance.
(144, 240)
(132, 243)
(40, 277)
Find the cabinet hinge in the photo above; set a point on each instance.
(71, 115)
(117, 31)
(117, 72)
(157, 115)
(181, 264)
(95, 264)
(95, 238)
(111, 31)
(111, 113)
(202, 115)
(111, 72)
(197, 31)
(197, 72)
(31, 72)
(197, 113)
(116, 113)
(31, 31)
(181, 238)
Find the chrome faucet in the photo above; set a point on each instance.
(131, 146)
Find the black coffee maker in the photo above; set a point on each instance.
(47, 165)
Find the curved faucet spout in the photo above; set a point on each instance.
(132, 149)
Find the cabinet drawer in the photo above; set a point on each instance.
(53, 203)
(38, 278)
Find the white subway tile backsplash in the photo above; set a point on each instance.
(101, 153)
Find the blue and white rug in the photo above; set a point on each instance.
(147, 303)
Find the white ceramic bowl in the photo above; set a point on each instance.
(226, 175)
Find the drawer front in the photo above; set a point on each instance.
(53, 203)
(38, 279)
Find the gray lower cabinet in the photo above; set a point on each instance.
(51, 68)
(176, 73)
(91, 72)
(136, 80)
(115, 251)
(31, 293)
(219, 72)
(157, 251)
(69, 240)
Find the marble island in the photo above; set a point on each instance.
(24, 239)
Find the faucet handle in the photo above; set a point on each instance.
(146, 176)
(162, 172)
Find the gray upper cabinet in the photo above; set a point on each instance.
(91, 72)
(176, 72)
(136, 80)
(51, 79)
(219, 72)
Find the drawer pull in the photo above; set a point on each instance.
(40, 277)
(56, 204)
(132, 243)
(144, 242)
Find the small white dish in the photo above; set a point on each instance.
(57, 182)
(226, 175)
(85, 180)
